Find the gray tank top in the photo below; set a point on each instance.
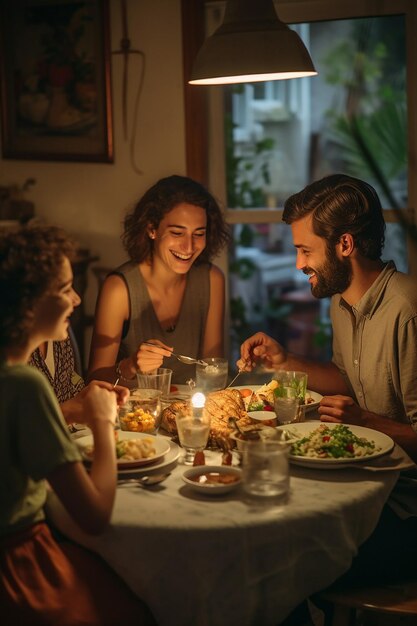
(188, 334)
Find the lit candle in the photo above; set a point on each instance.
(198, 401)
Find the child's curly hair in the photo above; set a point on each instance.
(29, 260)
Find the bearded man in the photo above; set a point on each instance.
(338, 230)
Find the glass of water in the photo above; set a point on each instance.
(213, 375)
(266, 468)
(289, 396)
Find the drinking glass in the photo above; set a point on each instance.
(160, 379)
(141, 413)
(193, 430)
(266, 468)
(289, 396)
(213, 376)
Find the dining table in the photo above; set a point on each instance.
(234, 559)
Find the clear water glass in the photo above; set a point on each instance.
(193, 430)
(289, 396)
(213, 376)
(160, 379)
(265, 466)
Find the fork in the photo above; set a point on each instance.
(188, 360)
(240, 370)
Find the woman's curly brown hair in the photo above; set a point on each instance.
(161, 198)
(29, 261)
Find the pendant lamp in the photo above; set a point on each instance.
(251, 45)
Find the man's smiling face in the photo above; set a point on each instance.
(328, 272)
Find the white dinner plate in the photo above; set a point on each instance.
(163, 466)
(313, 394)
(208, 488)
(383, 443)
(161, 446)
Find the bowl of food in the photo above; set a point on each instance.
(213, 479)
(141, 413)
(267, 418)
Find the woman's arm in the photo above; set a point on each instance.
(213, 344)
(89, 498)
(112, 311)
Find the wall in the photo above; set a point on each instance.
(90, 200)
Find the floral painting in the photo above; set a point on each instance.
(55, 80)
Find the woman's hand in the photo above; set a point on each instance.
(261, 347)
(150, 357)
(74, 409)
(98, 403)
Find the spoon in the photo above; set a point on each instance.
(188, 360)
(145, 481)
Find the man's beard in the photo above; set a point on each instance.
(334, 276)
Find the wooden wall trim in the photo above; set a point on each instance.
(195, 97)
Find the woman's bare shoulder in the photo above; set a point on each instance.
(216, 275)
(114, 284)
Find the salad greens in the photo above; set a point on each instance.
(332, 442)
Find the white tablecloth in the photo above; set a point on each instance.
(231, 560)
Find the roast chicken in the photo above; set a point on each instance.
(221, 405)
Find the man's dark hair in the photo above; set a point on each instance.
(341, 204)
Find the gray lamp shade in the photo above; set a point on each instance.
(251, 45)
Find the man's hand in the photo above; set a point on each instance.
(261, 347)
(340, 409)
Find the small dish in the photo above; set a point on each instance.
(212, 479)
(312, 400)
(268, 418)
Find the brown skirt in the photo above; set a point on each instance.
(43, 583)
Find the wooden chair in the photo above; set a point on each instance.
(399, 601)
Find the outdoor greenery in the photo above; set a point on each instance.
(365, 135)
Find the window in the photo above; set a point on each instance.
(269, 140)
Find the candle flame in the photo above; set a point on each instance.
(198, 400)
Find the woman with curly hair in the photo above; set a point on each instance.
(169, 293)
(43, 582)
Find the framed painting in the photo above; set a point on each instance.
(55, 80)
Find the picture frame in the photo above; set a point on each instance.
(55, 80)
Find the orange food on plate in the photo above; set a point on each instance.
(173, 389)
(245, 392)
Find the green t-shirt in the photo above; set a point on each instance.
(34, 440)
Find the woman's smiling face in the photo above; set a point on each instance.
(180, 237)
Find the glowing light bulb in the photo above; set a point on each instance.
(198, 401)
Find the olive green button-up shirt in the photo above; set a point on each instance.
(375, 345)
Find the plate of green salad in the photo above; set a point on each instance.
(329, 445)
